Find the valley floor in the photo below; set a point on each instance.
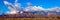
(29, 19)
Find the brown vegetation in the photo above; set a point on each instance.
(31, 19)
(51, 18)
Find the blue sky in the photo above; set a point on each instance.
(43, 3)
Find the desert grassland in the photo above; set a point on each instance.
(30, 19)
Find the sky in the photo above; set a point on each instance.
(43, 3)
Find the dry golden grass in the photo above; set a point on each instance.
(30, 19)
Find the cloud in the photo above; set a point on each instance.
(34, 8)
(12, 12)
(7, 3)
(39, 8)
(29, 4)
(17, 7)
(16, 1)
(11, 7)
